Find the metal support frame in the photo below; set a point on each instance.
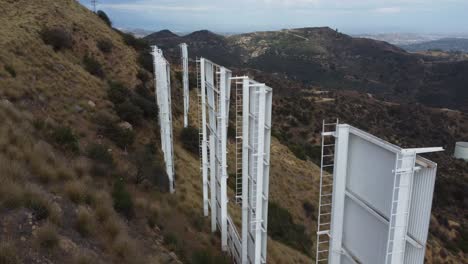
(162, 75)
(398, 238)
(215, 96)
(185, 81)
(259, 115)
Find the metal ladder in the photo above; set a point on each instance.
(326, 191)
(239, 139)
(394, 208)
(199, 113)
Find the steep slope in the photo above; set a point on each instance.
(299, 111)
(81, 173)
(73, 189)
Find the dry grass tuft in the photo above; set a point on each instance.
(47, 236)
(83, 257)
(85, 224)
(125, 249)
(8, 253)
(76, 191)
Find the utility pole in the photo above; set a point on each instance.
(94, 3)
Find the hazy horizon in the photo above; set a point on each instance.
(351, 16)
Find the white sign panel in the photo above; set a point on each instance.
(382, 197)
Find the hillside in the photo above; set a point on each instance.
(299, 109)
(445, 44)
(82, 179)
(331, 60)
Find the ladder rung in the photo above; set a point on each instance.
(325, 214)
(325, 224)
(325, 204)
(326, 195)
(321, 251)
(329, 165)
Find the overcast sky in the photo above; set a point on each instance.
(350, 16)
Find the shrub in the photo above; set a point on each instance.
(137, 43)
(189, 138)
(129, 112)
(148, 167)
(105, 45)
(122, 137)
(65, 138)
(84, 222)
(47, 236)
(143, 76)
(206, 257)
(298, 151)
(93, 66)
(118, 93)
(122, 199)
(281, 227)
(8, 254)
(102, 15)
(145, 59)
(10, 70)
(144, 92)
(170, 240)
(58, 38)
(309, 209)
(100, 154)
(149, 108)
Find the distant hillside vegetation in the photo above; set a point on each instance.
(446, 44)
(325, 58)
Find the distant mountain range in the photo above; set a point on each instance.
(446, 44)
(323, 57)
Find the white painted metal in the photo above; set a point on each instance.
(325, 192)
(202, 132)
(185, 81)
(259, 114)
(461, 150)
(339, 187)
(162, 75)
(382, 197)
(216, 86)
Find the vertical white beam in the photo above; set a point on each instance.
(223, 177)
(259, 177)
(213, 183)
(339, 188)
(204, 138)
(163, 98)
(185, 81)
(405, 170)
(266, 172)
(245, 168)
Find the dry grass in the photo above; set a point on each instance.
(85, 222)
(83, 258)
(126, 251)
(9, 253)
(76, 192)
(47, 236)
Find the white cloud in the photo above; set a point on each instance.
(388, 10)
(150, 6)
